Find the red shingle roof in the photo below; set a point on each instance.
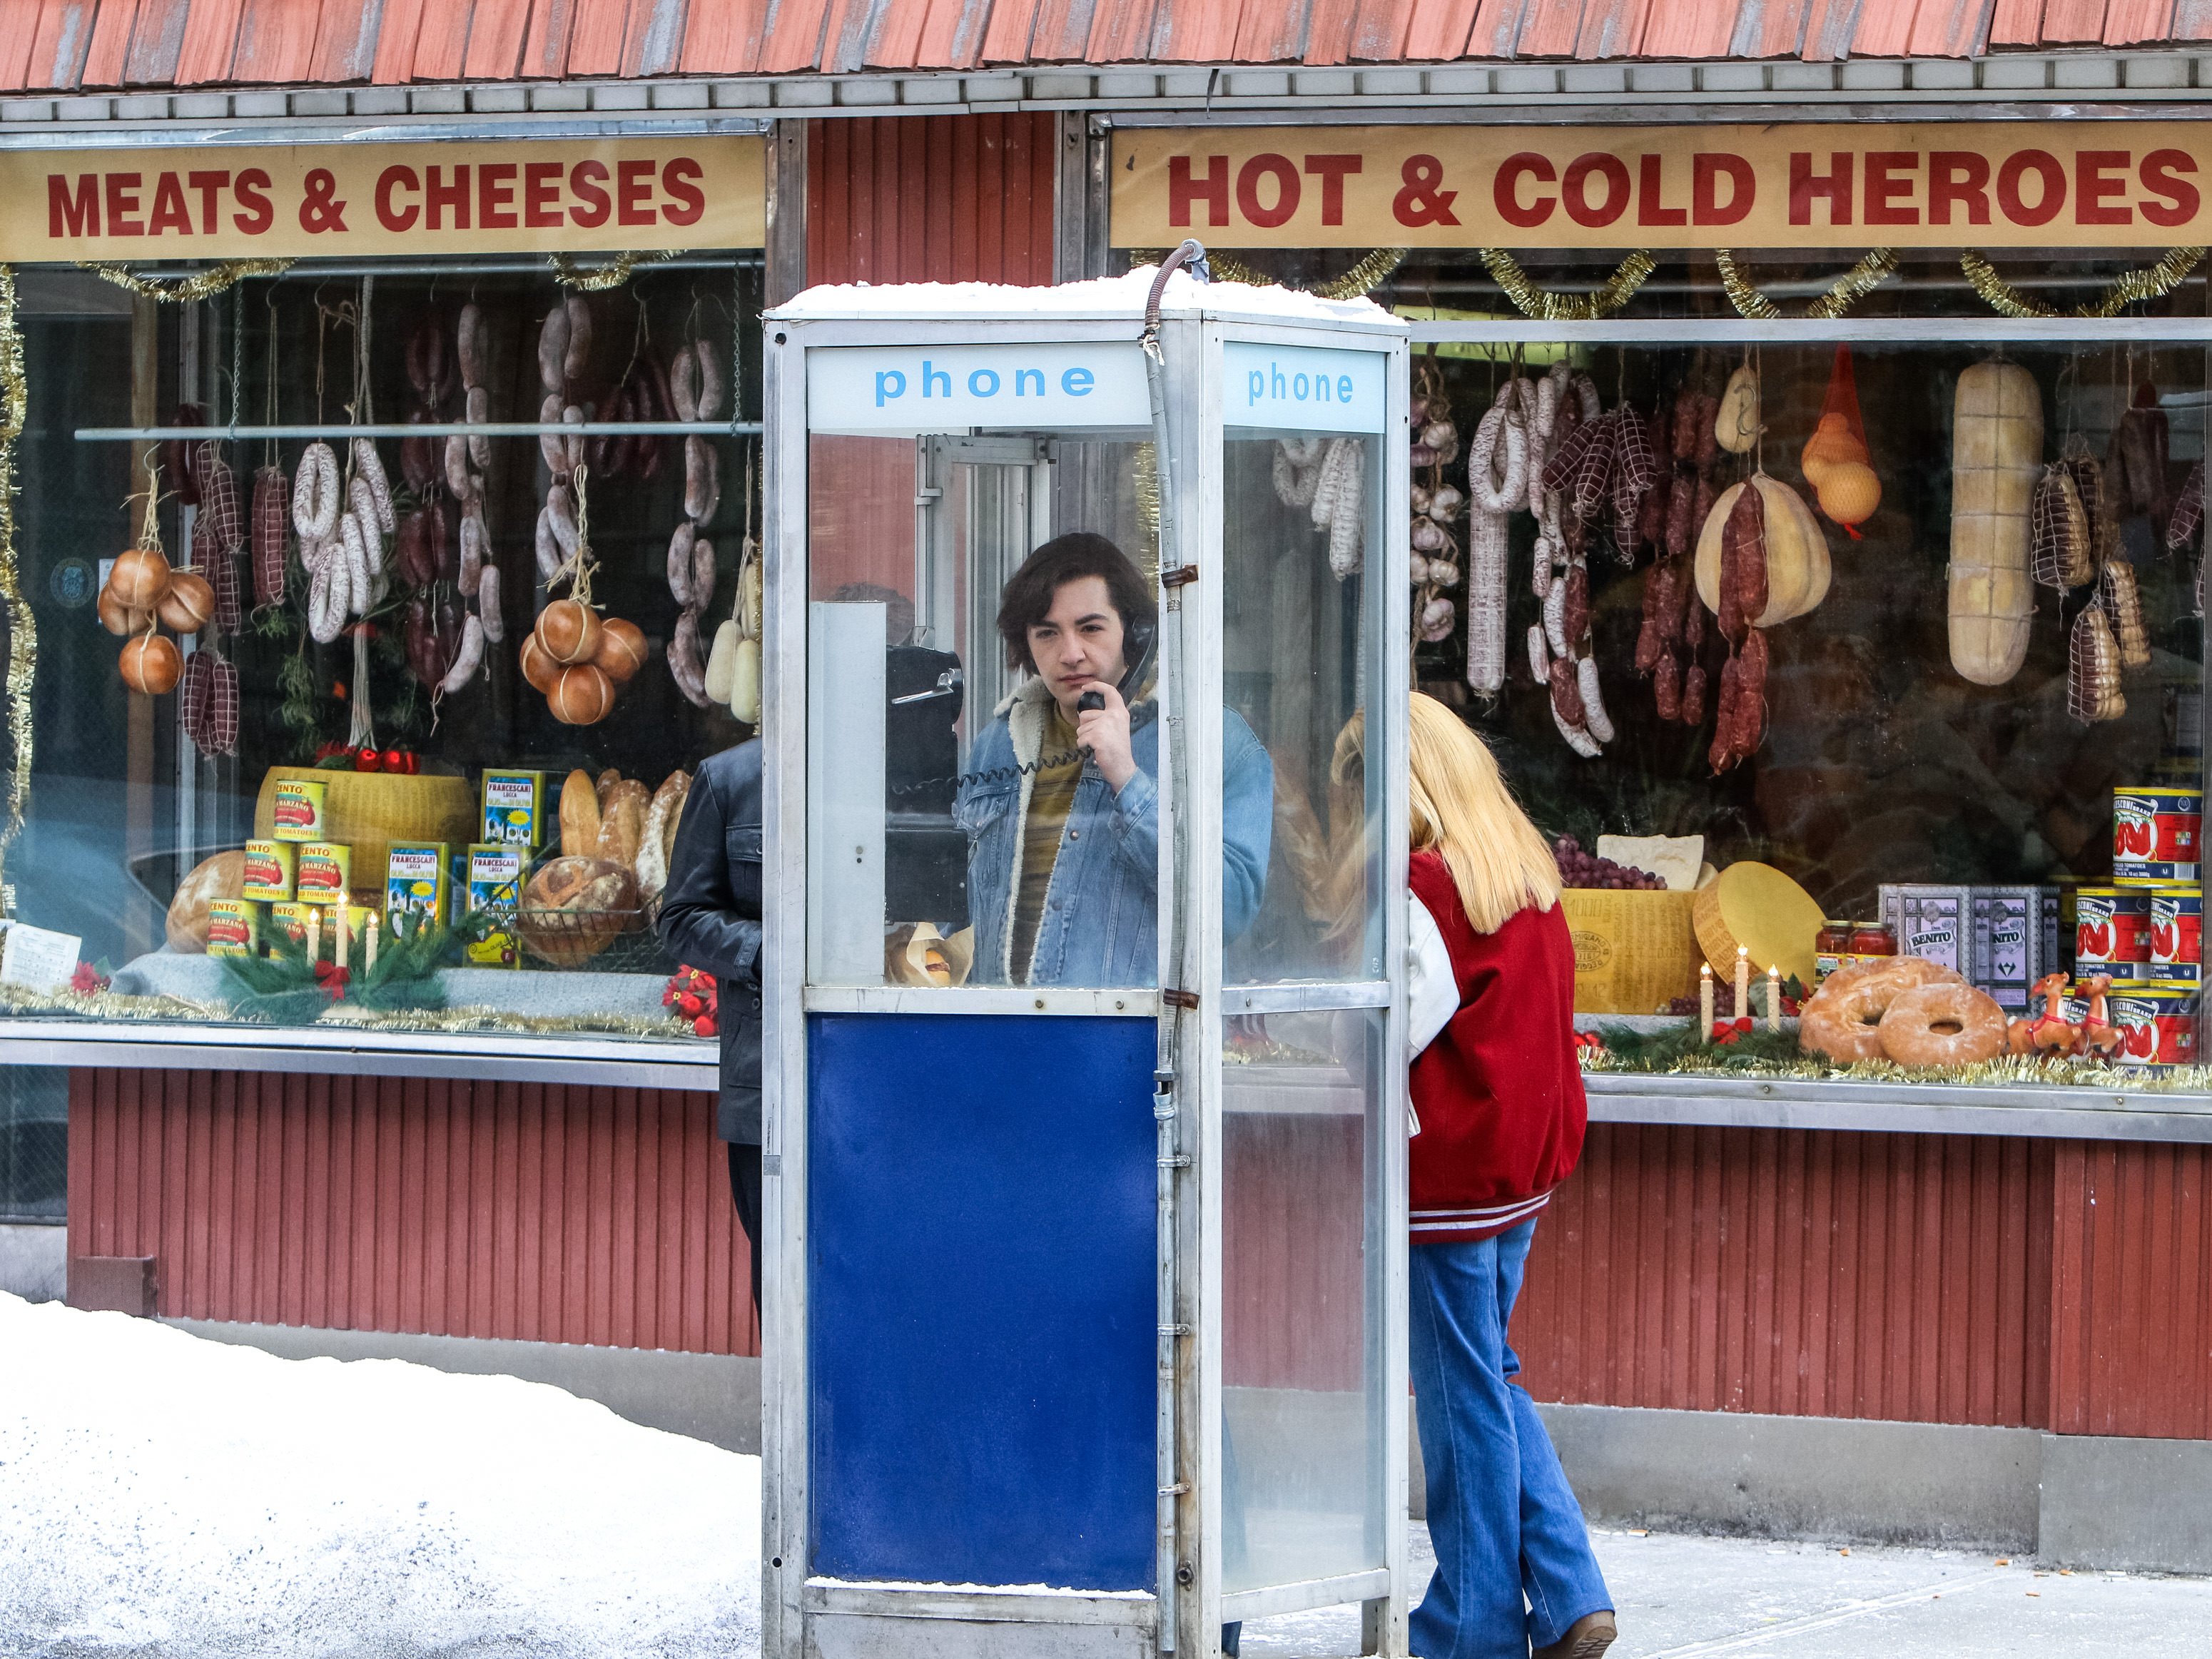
(72, 45)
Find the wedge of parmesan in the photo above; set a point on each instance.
(1674, 859)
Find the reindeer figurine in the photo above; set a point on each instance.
(2100, 1038)
(2049, 1035)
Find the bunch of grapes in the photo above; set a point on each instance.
(1581, 869)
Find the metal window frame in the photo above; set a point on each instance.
(793, 1600)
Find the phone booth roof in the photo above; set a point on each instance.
(1101, 300)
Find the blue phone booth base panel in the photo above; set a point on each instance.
(981, 1299)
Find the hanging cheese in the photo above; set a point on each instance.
(1736, 427)
(1996, 452)
(1797, 567)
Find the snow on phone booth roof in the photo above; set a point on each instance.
(997, 1389)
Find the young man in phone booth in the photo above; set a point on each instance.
(1060, 799)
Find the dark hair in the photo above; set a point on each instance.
(1064, 559)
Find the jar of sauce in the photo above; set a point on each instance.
(1829, 946)
(1874, 938)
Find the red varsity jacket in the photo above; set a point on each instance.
(1499, 1093)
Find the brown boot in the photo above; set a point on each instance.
(1588, 1637)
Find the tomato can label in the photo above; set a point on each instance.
(2177, 933)
(2156, 1028)
(2111, 931)
(2155, 834)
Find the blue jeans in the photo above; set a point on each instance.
(1514, 1565)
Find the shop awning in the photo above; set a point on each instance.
(61, 45)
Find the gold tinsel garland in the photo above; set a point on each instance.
(2151, 283)
(23, 628)
(1547, 307)
(1854, 285)
(111, 1005)
(1363, 279)
(2009, 1071)
(476, 1018)
(183, 290)
(596, 279)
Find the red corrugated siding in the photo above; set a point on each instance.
(2131, 1348)
(940, 199)
(2062, 1285)
(521, 1211)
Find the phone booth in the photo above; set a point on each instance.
(1085, 1160)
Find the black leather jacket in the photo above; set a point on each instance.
(710, 918)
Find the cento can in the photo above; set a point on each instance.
(2157, 1026)
(2155, 831)
(2111, 933)
(2176, 934)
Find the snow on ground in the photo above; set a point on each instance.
(161, 1494)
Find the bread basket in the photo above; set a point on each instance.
(574, 908)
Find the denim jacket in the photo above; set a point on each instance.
(1101, 921)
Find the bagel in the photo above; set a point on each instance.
(1942, 1023)
(1842, 1018)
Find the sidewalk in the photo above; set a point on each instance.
(1684, 1597)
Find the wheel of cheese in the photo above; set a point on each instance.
(1756, 906)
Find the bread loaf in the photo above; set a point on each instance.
(222, 877)
(580, 816)
(659, 840)
(1996, 451)
(622, 823)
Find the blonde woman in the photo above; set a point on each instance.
(1497, 1098)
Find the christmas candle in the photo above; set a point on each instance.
(1773, 999)
(1743, 981)
(341, 942)
(368, 944)
(314, 935)
(1705, 1002)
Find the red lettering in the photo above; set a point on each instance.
(1706, 171)
(438, 196)
(541, 194)
(1885, 188)
(495, 196)
(1332, 171)
(1182, 189)
(634, 193)
(1834, 185)
(1287, 186)
(680, 179)
(253, 191)
(77, 212)
(169, 212)
(1574, 189)
(122, 189)
(584, 179)
(2161, 176)
(209, 185)
(392, 217)
(1957, 177)
(2044, 166)
(1650, 209)
(2095, 184)
(1505, 193)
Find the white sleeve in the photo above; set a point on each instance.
(1431, 993)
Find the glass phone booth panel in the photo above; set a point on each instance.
(980, 1281)
(1304, 638)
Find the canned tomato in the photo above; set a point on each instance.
(2112, 932)
(2154, 834)
(2176, 934)
(2156, 1027)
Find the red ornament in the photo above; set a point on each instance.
(394, 761)
(690, 1006)
(368, 759)
(704, 1026)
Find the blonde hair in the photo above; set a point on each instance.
(1460, 807)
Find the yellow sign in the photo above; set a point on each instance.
(1997, 183)
(572, 195)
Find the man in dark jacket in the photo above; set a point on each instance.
(710, 919)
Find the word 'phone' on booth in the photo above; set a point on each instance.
(1085, 1146)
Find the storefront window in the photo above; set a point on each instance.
(323, 667)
